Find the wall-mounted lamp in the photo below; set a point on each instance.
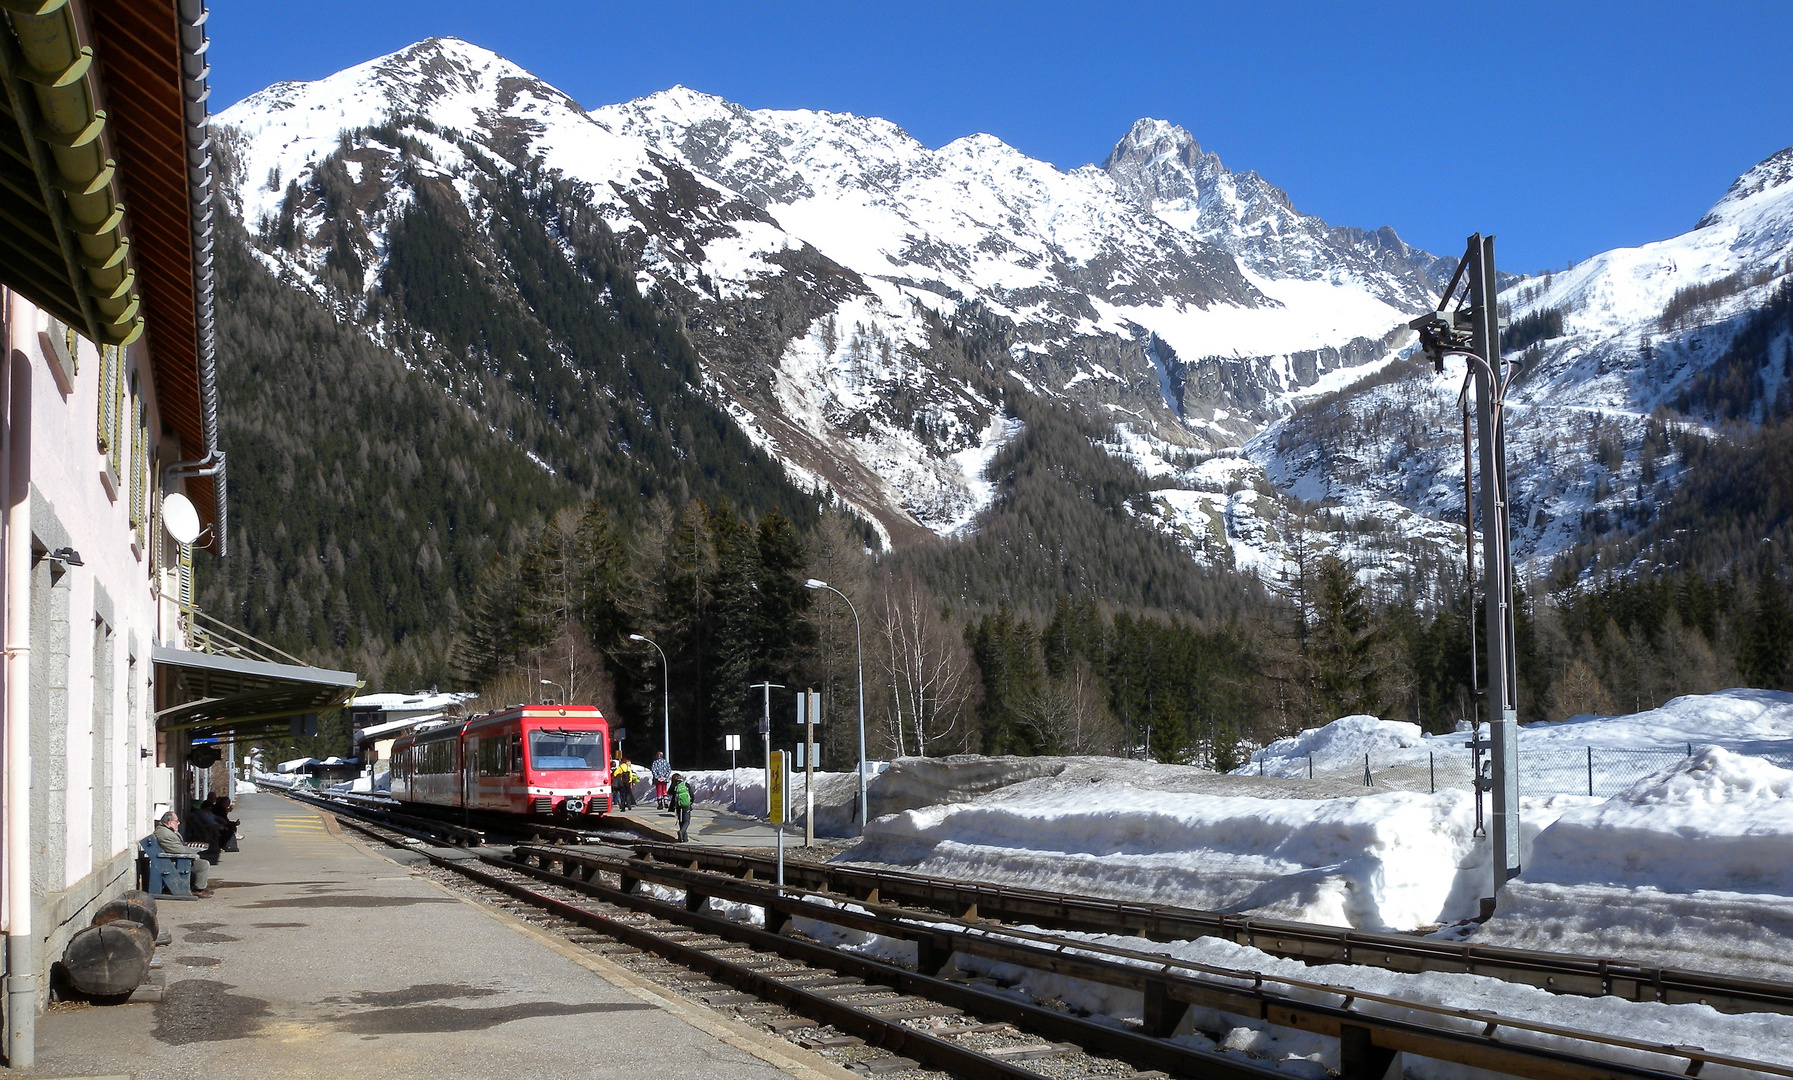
(67, 556)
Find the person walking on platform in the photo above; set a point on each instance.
(681, 805)
(169, 837)
(662, 770)
(622, 783)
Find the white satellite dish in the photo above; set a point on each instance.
(179, 518)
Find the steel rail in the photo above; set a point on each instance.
(1139, 1050)
(1166, 980)
(1309, 942)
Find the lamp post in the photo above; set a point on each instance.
(557, 686)
(665, 698)
(859, 647)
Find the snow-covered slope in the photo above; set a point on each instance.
(1610, 351)
(821, 257)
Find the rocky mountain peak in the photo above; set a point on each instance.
(1766, 181)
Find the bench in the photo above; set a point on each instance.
(161, 871)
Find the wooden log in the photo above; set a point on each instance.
(109, 961)
(131, 909)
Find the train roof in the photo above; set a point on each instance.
(539, 712)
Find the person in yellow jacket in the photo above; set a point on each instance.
(622, 783)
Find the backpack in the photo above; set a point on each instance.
(681, 795)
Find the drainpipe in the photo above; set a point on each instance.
(15, 459)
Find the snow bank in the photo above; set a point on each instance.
(1553, 757)
(1345, 740)
(1719, 821)
(1742, 720)
(1696, 861)
(1399, 860)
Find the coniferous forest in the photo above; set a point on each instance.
(534, 473)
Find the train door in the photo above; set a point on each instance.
(516, 789)
(469, 773)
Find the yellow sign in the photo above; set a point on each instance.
(778, 787)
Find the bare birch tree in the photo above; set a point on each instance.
(926, 669)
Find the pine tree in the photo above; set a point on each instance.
(1767, 636)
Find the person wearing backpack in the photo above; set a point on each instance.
(681, 805)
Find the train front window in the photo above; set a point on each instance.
(560, 751)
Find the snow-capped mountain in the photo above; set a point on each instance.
(1610, 353)
(862, 304)
(825, 263)
(1162, 169)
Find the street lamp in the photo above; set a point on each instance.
(665, 698)
(859, 645)
(557, 686)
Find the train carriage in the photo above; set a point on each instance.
(537, 760)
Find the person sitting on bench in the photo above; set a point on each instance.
(169, 837)
(227, 828)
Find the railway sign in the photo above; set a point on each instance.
(731, 743)
(778, 788)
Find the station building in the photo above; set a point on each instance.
(113, 685)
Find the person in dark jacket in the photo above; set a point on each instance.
(681, 805)
(227, 829)
(203, 829)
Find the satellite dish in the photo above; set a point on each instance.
(179, 518)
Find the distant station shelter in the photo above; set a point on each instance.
(379, 720)
(111, 469)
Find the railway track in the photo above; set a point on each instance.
(1556, 972)
(474, 830)
(931, 1016)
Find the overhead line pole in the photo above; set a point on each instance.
(1497, 561)
(1475, 335)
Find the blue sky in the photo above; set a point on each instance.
(1564, 128)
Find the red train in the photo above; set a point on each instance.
(541, 760)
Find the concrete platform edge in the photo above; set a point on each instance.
(777, 1052)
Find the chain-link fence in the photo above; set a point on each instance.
(1591, 770)
(1557, 770)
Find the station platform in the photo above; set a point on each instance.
(717, 828)
(321, 955)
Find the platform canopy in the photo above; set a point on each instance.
(229, 694)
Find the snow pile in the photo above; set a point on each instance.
(1399, 860)
(1719, 821)
(1625, 748)
(1695, 861)
(1345, 740)
(1744, 720)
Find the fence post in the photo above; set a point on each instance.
(1432, 767)
(1590, 772)
(1689, 749)
(1367, 782)
(1310, 766)
(1260, 764)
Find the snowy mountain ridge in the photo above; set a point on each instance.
(828, 268)
(1108, 305)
